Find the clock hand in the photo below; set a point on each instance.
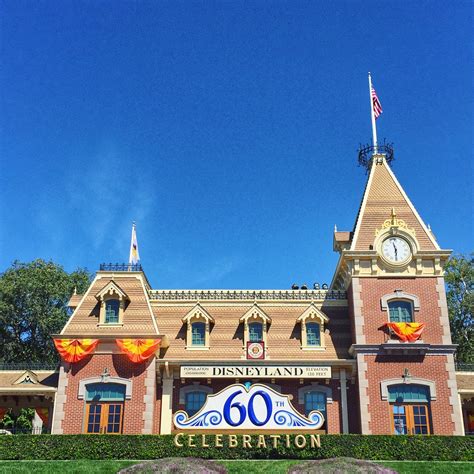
(396, 250)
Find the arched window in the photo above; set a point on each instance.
(400, 311)
(198, 332)
(104, 407)
(312, 328)
(198, 327)
(112, 301)
(313, 334)
(112, 308)
(255, 332)
(410, 408)
(194, 402)
(315, 401)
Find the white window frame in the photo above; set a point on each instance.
(313, 315)
(198, 315)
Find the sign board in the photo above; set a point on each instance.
(255, 350)
(254, 371)
(238, 408)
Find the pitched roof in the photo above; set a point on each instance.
(28, 382)
(382, 194)
(226, 336)
(138, 319)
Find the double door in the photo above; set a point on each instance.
(410, 419)
(104, 418)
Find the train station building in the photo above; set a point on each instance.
(371, 352)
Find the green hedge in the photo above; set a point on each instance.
(439, 448)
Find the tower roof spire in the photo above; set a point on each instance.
(384, 197)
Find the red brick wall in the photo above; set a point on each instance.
(288, 387)
(118, 366)
(372, 289)
(390, 367)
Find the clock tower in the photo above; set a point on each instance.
(392, 269)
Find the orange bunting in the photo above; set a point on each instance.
(407, 332)
(74, 350)
(138, 350)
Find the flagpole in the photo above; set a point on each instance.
(372, 115)
(131, 248)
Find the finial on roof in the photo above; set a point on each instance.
(335, 228)
(429, 227)
(75, 290)
(393, 216)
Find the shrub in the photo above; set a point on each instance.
(440, 448)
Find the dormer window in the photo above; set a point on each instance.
(312, 328)
(256, 323)
(112, 310)
(313, 335)
(112, 305)
(255, 332)
(198, 331)
(198, 322)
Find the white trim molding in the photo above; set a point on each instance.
(384, 384)
(314, 387)
(118, 380)
(195, 387)
(312, 314)
(399, 295)
(197, 315)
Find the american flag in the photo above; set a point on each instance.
(376, 104)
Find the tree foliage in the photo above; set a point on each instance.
(33, 306)
(459, 279)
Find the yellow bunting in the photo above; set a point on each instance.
(74, 350)
(407, 332)
(138, 350)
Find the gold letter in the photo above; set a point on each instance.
(246, 441)
(219, 441)
(203, 441)
(233, 443)
(275, 439)
(301, 444)
(287, 441)
(190, 441)
(176, 442)
(261, 442)
(315, 441)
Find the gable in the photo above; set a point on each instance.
(382, 194)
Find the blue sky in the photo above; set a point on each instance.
(227, 130)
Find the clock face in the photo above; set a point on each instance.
(396, 249)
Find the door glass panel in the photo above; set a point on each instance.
(93, 422)
(400, 420)
(114, 418)
(104, 418)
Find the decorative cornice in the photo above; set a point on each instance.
(247, 295)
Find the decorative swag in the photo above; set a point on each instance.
(407, 332)
(74, 350)
(138, 350)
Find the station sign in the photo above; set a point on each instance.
(255, 408)
(254, 371)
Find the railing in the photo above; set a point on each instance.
(464, 367)
(366, 154)
(290, 295)
(28, 365)
(120, 267)
(12, 430)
